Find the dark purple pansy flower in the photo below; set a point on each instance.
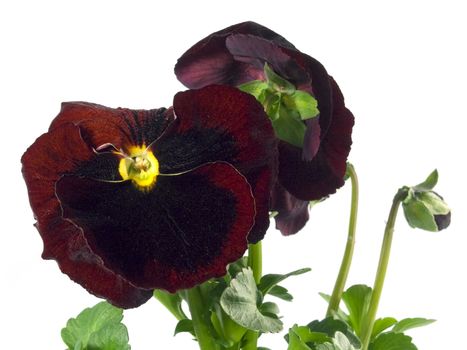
(237, 55)
(127, 201)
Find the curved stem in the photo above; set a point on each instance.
(255, 262)
(369, 319)
(339, 286)
(201, 320)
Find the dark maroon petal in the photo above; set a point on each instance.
(210, 62)
(181, 233)
(60, 152)
(312, 180)
(292, 213)
(120, 127)
(220, 123)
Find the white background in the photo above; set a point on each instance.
(402, 68)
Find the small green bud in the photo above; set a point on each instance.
(426, 209)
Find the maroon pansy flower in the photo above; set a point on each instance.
(238, 55)
(128, 201)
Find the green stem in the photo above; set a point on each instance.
(339, 286)
(255, 262)
(201, 319)
(369, 319)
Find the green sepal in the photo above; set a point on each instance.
(95, 328)
(267, 282)
(289, 127)
(301, 101)
(172, 301)
(184, 326)
(239, 301)
(418, 215)
(392, 341)
(276, 82)
(255, 88)
(357, 300)
(409, 323)
(429, 183)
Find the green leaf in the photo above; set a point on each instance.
(270, 309)
(267, 282)
(326, 346)
(357, 300)
(392, 341)
(276, 82)
(330, 326)
(97, 325)
(381, 324)
(305, 104)
(341, 342)
(237, 266)
(289, 127)
(409, 323)
(172, 301)
(185, 325)
(263, 348)
(300, 335)
(240, 300)
(429, 183)
(340, 313)
(110, 337)
(255, 88)
(281, 293)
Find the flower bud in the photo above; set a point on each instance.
(426, 209)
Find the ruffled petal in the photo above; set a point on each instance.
(62, 151)
(210, 62)
(120, 127)
(292, 213)
(220, 123)
(312, 180)
(181, 233)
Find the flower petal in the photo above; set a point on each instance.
(220, 123)
(120, 127)
(181, 233)
(210, 62)
(311, 180)
(59, 152)
(292, 213)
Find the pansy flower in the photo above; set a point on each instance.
(312, 165)
(127, 201)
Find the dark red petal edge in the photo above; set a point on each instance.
(325, 173)
(120, 127)
(292, 213)
(53, 154)
(209, 61)
(230, 111)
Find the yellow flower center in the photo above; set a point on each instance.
(141, 167)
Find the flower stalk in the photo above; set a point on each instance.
(369, 320)
(339, 286)
(200, 317)
(255, 262)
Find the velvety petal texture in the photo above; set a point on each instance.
(237, 55)
(121, 235)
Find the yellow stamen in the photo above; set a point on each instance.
(141, 167)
